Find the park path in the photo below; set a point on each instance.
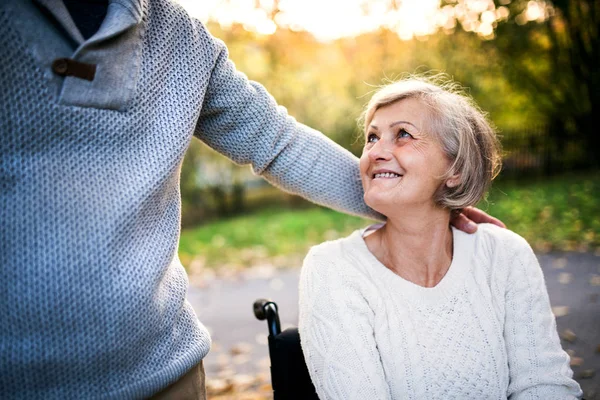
(238, 360)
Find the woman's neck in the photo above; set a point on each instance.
(416, 246)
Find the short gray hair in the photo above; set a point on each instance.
(466, 135)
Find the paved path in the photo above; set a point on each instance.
(240, 345)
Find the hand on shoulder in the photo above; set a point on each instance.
(468, 219)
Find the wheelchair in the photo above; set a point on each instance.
(289, 375)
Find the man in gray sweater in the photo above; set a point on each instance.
(99, 104)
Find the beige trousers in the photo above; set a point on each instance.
(190, 386)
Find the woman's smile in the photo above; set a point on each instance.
(386, 174)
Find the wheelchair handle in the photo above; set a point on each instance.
(267, 309)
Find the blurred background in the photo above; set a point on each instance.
(533, 65)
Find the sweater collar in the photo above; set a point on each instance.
(121, 15)
(451, 283)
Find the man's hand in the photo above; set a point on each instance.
(468, 219)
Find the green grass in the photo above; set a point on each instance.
(557, 214)
(277, 237)
(562, 213)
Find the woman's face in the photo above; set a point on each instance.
(401, 162)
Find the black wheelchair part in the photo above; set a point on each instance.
(289, 375)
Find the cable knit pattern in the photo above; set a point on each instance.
(486, 331)
(92, 297)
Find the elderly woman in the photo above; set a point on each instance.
(415, 309)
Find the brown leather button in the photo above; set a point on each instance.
(60, 66)
(69, 67)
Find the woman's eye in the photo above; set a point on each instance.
(372, 138)
(403, 134)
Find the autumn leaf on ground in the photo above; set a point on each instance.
(560, 311)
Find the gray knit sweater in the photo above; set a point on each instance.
(92, 295)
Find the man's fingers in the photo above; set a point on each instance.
(461, 222)
(496, 221)
(478, 216)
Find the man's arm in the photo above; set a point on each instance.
(242, 121)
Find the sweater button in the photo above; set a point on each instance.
(60, 66)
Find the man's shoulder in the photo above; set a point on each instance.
(172, 28)
(172, 15)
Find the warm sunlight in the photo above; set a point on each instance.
(326, 19)
(333, 19)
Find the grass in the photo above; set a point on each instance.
(561, 213)
(276, 236)
(557, 214)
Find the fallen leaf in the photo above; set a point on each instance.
(241, 348)
(251, 396)
(240, 359)
(218, 386)
(263, 378)
(565, 277)
(560, 263)
(595, 280)
(266, 387)
(242, 382)
(588, 373)
(560, 311)
(576, 361)
(223, 360)
(568, 335)
(264, 363)
(226, 373)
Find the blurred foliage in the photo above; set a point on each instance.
(560, 213)
(551, 49)
(326, 84)
(536, 71)
(557, 214)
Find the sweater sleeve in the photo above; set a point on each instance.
(538, 366)
(242, 121)
(336, 331)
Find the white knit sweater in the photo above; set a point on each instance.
(486, 331)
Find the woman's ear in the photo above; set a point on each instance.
(453, 181)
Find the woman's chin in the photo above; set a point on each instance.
(399, 207)
(381, 206)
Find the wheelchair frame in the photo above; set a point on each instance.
(289, 375)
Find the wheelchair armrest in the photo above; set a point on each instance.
(267, 309)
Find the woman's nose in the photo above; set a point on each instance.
(381, 151)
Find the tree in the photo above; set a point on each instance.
(550, 48)
(553, 49)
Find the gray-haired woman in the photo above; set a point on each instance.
(414, 309)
